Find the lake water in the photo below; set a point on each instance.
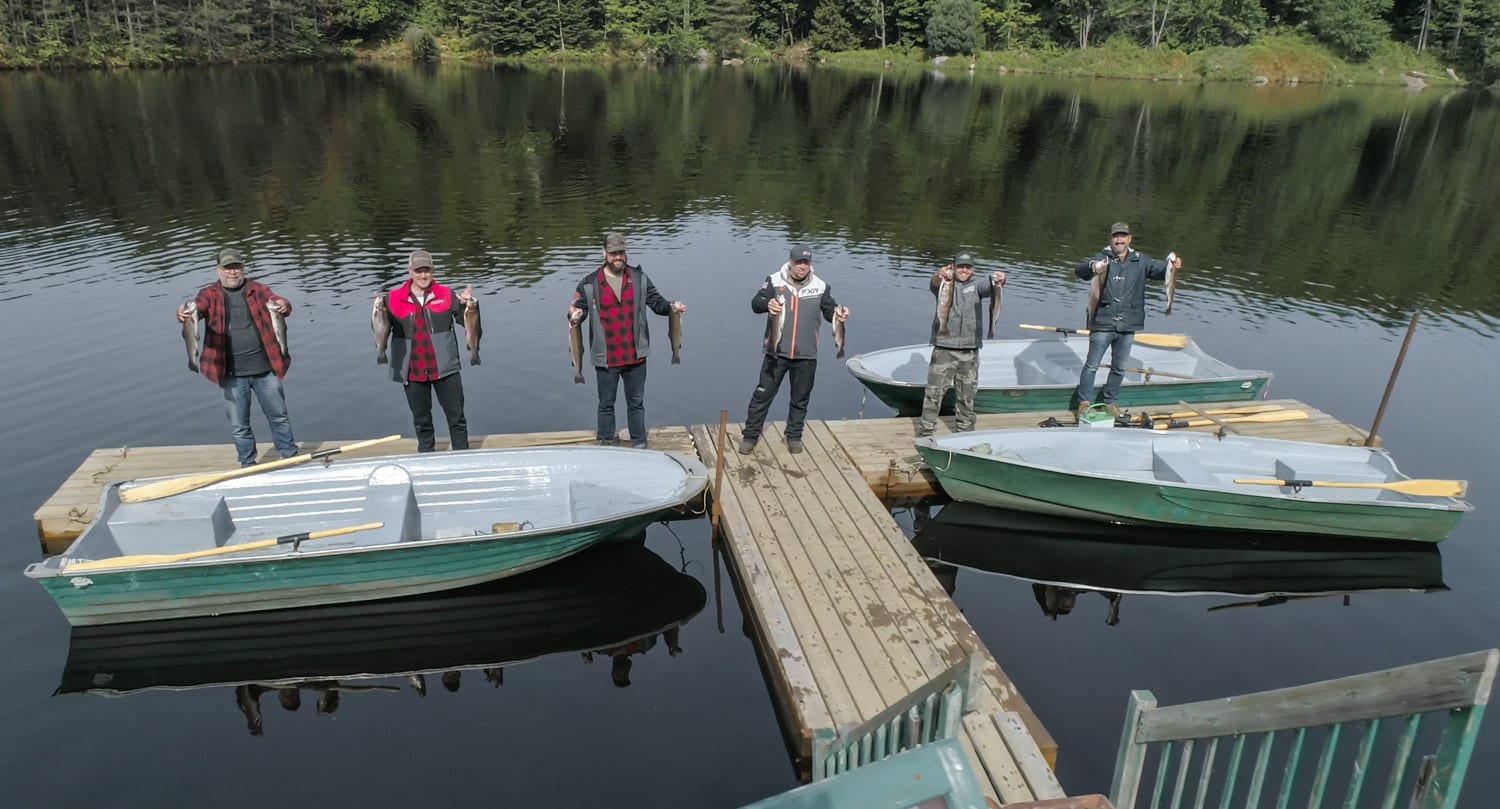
(1313, 223)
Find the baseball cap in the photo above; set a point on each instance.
(230, 255)
(419, 258)
(963, 260)
(1119, 227)
(614, 242)
(800, 253)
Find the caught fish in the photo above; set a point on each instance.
(247, 697)
(495, 676)
(473, 331)
(774, 322)
(575, 348)
(1171, 280)
(838, 336)
(190, 334)
(674, 334)
(418, 683)
(944, 304)
(1096, 291)
(996, 294)
(380, 321)
(278, 325)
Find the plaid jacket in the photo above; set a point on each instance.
(438, 318)
(214, 362)
(588, 297)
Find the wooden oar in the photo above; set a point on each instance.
(1144, 338)
(1227, 411)
(1256, 418)
(163, 558)
(166, 488)
(1149, 372)
(1419, 487)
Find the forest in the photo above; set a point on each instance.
(1460, 34)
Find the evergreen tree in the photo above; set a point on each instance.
(728, 25)
(952, 27)
(831, 30)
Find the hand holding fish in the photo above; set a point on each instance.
(773, 306)
(467, 297)
(281, 306)
(1099, 266)
(1176, 261)
(186, 311)
(575, 315)
(998, 278)
(841, 314)
(947, 272)
(679, 307)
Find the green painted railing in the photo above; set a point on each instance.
(928, 714)
(935, 774)
(1384, 710)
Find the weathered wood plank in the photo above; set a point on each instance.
(1437, 685)
(1028, 757)
(1075, 802)
(994, 756)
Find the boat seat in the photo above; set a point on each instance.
(389, 498)
(1181, 467)
(185, 522)
(1042, 371)
(1349, 472)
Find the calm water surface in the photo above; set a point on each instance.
(1313, 222)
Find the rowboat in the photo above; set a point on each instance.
(1161, 478)
(612, 596)
(1025, 375)
(1089, 555)
(356, 530)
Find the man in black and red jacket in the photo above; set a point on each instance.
(241, 353)
(424, 350)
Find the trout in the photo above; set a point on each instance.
(944, 302)
(1171, 280)
(674, 334)
(575, 347)
(1096, 291)
(838, 334)
(380, 321)
(473, 331)
(190, 334)
(996, 294)
(278, 325)
(775, 323)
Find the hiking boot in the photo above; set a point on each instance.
(794, 445)
(1114, 411)
(1083, 407)
(747, 445)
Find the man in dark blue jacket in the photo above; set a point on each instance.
(1117, 310)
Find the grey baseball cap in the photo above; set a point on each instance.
(230, 255)
(419, 258)
(963, 260)
(1119, 227)
(800, 252)
(614, 242)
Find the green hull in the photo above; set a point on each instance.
(217, 587)
(974, 479)
(906, 400)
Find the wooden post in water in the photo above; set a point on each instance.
(1391, 385)
(715, 511)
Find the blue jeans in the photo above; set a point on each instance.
(272, 398)
(635, 401)
(1118, 343)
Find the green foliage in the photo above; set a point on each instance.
(422, 44)
(1199, 24)
(831, 31)
(952, 27)
(1353, 28)
(727, 26)
(1010, 23)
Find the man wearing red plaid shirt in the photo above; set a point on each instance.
(615, 298)
(424, 350)
(240, 352)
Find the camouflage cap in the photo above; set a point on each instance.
(418, 259)
(230, 256)
(614, 243)
(1119, 227)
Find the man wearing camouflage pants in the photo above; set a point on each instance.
(956, 329)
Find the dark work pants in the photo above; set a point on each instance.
(450, 395)
(772, 369)
(634, 377)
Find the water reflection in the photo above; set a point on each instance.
(614, 600)
(1066, 559)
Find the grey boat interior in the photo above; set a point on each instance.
(432, 497)
(1046, 362)
(1197, 459)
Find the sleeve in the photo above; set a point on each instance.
(828, 305)
(654, 299)
(986, 285)
(201, 301)
(580, 295)
(1156, 269)
(763, 296)
(1086, 272)
(272, 296)
(936, 281)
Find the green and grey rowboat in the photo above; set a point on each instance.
(1028, 375)
(429, 522)
(1155, 478)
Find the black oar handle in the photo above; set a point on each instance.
(1296, 484)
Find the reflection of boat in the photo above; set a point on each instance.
(1017, 376)
(396, 526)
(1140, 559)
(1192, 480)
(605, 597)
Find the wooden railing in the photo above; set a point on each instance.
(930, 713)
(1454, 689)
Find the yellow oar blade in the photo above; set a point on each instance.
(178, 485)
(164, 558)
(1254, 418)
(1227, 411)
(1144, 338)
(1418, 487)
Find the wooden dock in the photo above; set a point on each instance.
(848, 617)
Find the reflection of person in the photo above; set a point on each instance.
(424, 350)
(620, 656)
(956, 335)
(291, 698)
(1120, 275)
(452, 680)
(615, 298)
(791, 343)
(1055, 601)
(247, 698)
(495, 676)
(241, 354)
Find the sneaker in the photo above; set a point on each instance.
(1114, 411)
(605, 443)
(747, 445)
(794, 445)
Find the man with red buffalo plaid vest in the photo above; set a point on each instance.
(615, 298)
(424, 350)
(241, 353)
